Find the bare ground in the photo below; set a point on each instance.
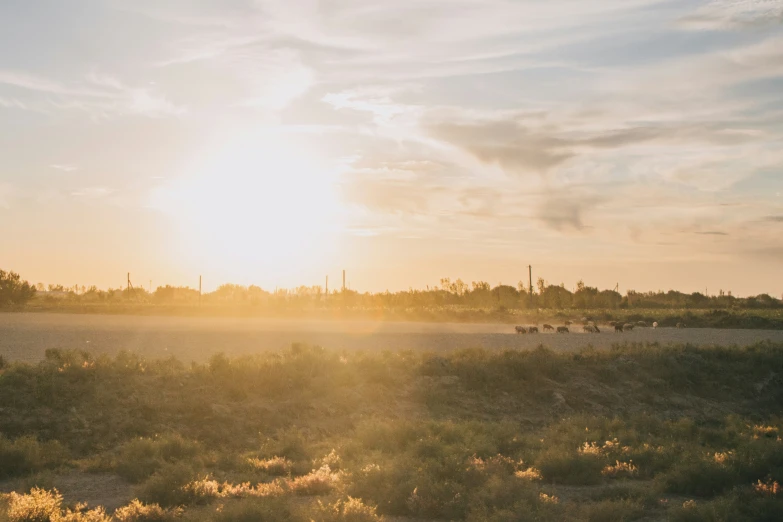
(26, 336)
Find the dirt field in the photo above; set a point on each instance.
(26, 336)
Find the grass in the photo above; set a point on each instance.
(681, 433)
(744, 318)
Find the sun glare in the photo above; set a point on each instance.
(259, 206)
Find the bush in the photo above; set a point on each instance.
(700, 477)
(139, 512)
(37, 506)
(27, 455)
(165, 487)
(46, 506)
(140, 458)
(566, 467)
(258, 510)
(351, 510)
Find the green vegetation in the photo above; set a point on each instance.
(450, 301)
(681, 433)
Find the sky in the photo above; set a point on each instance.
(636, 143)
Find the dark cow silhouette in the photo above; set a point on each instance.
(520, 330)
(549, 327)
(618, 327)
(562, 329)
(532, 329)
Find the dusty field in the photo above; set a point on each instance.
(26, 336)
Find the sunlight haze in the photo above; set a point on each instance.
(633, 142)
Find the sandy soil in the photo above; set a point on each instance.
(25, 336)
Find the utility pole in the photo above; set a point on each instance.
(327, 286)
(343, 281)
(128, 287)
(530, 282)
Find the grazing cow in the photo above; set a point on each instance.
(655, 324)
(628, 327)
(641, 324)
(680, 325)
(532, 329)
(549, 327)
(588, 329)
(520, 329)
(618, 327)
(613, 323)
(562, 329)
(595, 327)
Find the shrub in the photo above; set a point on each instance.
(27, 455)
(564, 467)
(37, 506)
(140, 458)
(46, 506)
(703, 477)
(258, 510)
(165, 487)
(319, 482)
(275, 466)
(139, 512)
(351, 510)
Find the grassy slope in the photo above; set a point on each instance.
(683, 433)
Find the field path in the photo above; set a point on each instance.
(25, 336)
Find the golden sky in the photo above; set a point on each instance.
(630, 142)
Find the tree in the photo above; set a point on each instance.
(13, 290)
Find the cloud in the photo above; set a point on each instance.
(564, 211)
(101, 96)
(12, 103)
(65, 167)
(92, 192)
(735, 14)
(525, 144)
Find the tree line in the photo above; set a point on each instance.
(456, 293)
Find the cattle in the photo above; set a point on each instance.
(590, 328)
(520, 329)
(680, 325)
(655, 324)
(614, 323)
(562, 329)
(627, 327)
(532, 329)
(549, 327)
(618, 327)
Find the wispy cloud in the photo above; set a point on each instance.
(92, 192)
(735, 14)
(64, 167)
(100, 95)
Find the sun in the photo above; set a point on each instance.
(259, 207)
